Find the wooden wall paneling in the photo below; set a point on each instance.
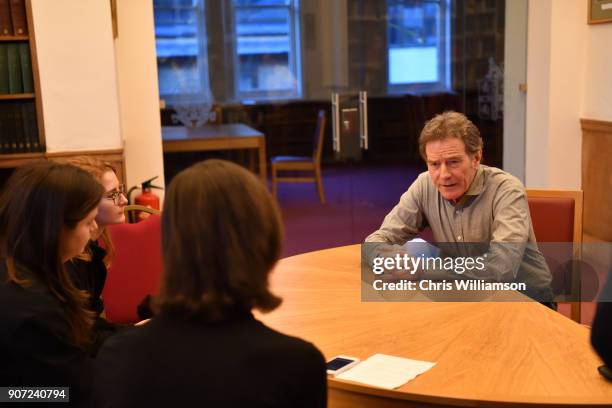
(597, 177)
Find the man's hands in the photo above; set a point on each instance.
(402, 267)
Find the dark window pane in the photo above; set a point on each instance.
(178, 76)
(263, 47)
(178, 46)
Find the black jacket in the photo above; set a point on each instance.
(601, 334)
(91, 277)
(35, 345)
(237, 363)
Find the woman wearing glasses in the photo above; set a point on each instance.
(47, 215)
(88, 270)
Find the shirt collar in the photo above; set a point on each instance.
(477, 184)
(475, 188)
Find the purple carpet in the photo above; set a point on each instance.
(357, 200)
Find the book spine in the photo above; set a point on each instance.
(33, 129)
(14, 69)
(25, 126)
(3, 130)
(19, 129)
(18, 17)
(11, 128)
(4, 76)
(6, 25)
(26, 68)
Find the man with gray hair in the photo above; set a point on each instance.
(465, 202)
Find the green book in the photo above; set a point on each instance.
(25, 128)
(4, 77)
(14, 69)
(8, 129)
(20, 134)
(32, 129)
(26, 67)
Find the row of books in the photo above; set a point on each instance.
(18, 128)
(13, 19)
(15, 68)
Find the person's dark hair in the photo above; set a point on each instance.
(451, 124)
(38, 201)
(221, 236)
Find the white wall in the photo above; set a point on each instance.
(569, 77)
(138, 92)
(538, 71)
(515, 74)
(598, 90)
(76, 64)
(567, 84)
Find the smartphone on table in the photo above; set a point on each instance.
(340, 364)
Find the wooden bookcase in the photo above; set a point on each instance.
(367, 46)
(21, 140)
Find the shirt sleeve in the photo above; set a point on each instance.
(509, 237)
(402, 224)
(405, 220)
(509, 233)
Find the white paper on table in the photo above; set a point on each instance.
(384, 371)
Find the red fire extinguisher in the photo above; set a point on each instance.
(146, 198)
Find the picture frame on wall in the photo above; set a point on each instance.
(600, 11)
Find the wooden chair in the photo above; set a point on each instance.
(303, 164)
(557, 217)
(134, 211)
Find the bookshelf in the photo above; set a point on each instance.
(22, 137)
(477, 35)
(367, 45)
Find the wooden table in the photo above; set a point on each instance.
(514, 354)
(215, 137)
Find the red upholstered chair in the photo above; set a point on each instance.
(136, 268)
(557, 217)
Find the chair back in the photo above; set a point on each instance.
(136, 269)
(556, 216)
(137, 212)
(318, 138)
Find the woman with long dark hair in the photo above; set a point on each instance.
(221, 237)
(47, 214)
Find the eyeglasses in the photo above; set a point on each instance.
(116, 195)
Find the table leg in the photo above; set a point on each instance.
(262, 159)
(251, 159)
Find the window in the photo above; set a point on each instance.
(266, 52)
(418, 33)
(181, 49)
(262, 38)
